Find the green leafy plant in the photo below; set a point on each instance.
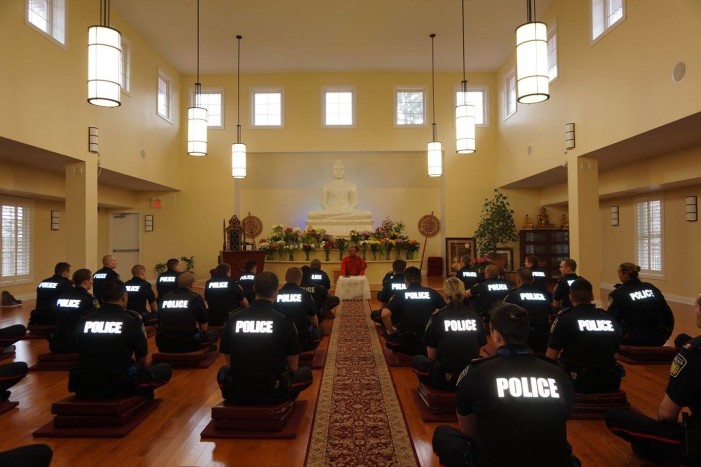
(160, 268)
(496, 224)
(189, 262)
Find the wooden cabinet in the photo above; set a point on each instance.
(550, 246)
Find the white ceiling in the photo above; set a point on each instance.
(328, 35)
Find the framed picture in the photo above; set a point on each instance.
(505, 258)
(454, 249)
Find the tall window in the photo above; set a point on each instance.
(211, 99)
(125, 77)
(339, 106)
(165, 97)
(16, 242)
(48, 16)
(510, 94)
(476, 96)
(267, 107)
(648, 212)
(552, 52)
(410, 106)
(605, 14)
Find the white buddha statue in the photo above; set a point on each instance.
(339, 201)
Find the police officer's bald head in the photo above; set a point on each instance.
(491, 271)
(186, 279)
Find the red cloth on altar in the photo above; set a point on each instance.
(353, 266)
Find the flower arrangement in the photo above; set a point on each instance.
(341, 243)
(307, 248)
(280, 247)
(399, 246)
(412, 247)
(375, 246)
(363, 246)
(481, 262)
(264, 245)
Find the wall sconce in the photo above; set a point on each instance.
(55, 220)
(93, 135)
(614, 216)
(148, 223)
(569, 135)
(691, 209)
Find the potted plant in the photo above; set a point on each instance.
(496, 225)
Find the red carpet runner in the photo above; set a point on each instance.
(358, 419)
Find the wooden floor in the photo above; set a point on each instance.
(170, 435)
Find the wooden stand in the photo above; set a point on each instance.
(237, 260)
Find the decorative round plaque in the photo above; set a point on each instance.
(252, 226)
(429, 225)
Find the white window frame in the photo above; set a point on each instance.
(484, 90)
(647, 232)
(509, 93)
(552, 53)
(267, 90)
(424, 105)
(25, 248)
(125, 77)
(169, 96)
(55, 23)
(337, 89)
(210, 91)
(601, 17)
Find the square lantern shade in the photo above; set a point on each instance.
(614, 216)
(692, 214)
(569, 136)
(238, 160)
(435, 159)
(465, 129)
(197, 131)
(104, 66)
(532, 63)
(93, 139)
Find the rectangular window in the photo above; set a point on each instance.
(211, 99)
(125, 77)
(165, 97)
(267, 107)
(510, 94)
(48, 16)
(476, 96)
(339, 107)
(16, 243)
(552, 52)
(605, 14)
(648, 213)
(410, 106)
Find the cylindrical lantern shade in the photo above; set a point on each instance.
(435, 159)
(532, 63)
(104, 66)
(238, 160)
(197, 131)
(465, 128)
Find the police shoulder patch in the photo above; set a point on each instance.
(678, 365)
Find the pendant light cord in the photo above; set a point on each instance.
(433, 90)
(105, 13)
(464, 79)
(238, 91)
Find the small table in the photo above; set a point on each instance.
(353, 288)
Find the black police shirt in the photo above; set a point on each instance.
(223, 295)
(412, 308)
(246, 283)
(587, 336)
(296, 303)
(48, 291)
(70, 307)
(562, 290)
(139, 292)
(487, 293)
(99, 277)
(457, 333)
(469, 277)
(537, 303)
(640, 309)
(684, 386)
(258, 340)
(320, 277)
(108, 337)
(179, 312)
(395, 284)
(167, 282)
(318, 293)
(539, 280)
(521, 403)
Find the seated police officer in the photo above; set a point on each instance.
(70, 307)
(11, 374)
(453, 337)
(31, 455)
(318, 275)
(113, 350)
(246, 280)
(665, 439)
(394, 283)
(641, 309)
(325, 303)
(466, 274)
(409, 310)
(48, 291)
(262, 351)
(10, 335)
(141, 294)
(561, 293)
(537, 304)
(586, 340)
(491, 290)
(167, 281)
(182, 319)
(539, 279)
(512, 408)
(296, 303)
(223, 295)
(109, 263)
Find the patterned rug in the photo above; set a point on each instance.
(358, 420)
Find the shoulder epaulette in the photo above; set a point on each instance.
(692, 344)
(478, 360)
(134, 314)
